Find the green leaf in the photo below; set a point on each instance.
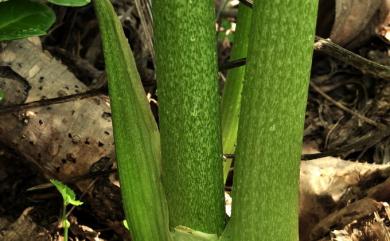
(125, 224)
(70, 3)
(68, 195)
(22, 18)
(137, 140)
(183, 233)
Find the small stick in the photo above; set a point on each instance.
(346, 109)
(52, 101)
(367, 141)
(366, 66)
(233, 64)
(326, 46)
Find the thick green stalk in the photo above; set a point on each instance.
(271, 123)
(231, 99)
(135, 132)
(189, 113)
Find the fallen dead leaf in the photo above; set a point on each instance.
(329, 184)
(355, 21)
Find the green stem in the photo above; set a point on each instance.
(189, 113)
(231, 99)
(135, 132)
(66, 234)
(271, 123)
(64, 223)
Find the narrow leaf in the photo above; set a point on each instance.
(22, 18)
(231, 99)
(70, 3)
(182, 233)
(137, 140)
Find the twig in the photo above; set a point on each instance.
(326, 46)
(346, 109)
(331, 131)
(365, 141)
(53, 101)
(366, 66)
(233, 64)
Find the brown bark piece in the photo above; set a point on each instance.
(64, 140)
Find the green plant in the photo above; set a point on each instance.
(174, 190)
(137, 142)
(70, 3)
(25, 18)
(189, 113)
(68, 198)
(266, 181)
(231, 98)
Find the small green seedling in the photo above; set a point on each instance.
(68, 197)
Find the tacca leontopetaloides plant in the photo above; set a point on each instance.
(270, 127)
(266, 181)
(136, 134)
(231, 98)
(186, 63)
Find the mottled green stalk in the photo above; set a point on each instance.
(231, 99)
(135, 133)
(189, 113)
(271, 121)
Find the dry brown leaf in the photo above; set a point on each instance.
(365, 223)
(65, 141)
(353, 20)
(329, 184)
(383, 29)
(351, 23)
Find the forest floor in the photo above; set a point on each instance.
(345, 170)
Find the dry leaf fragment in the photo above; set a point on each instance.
(354, 21)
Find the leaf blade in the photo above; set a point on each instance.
(66, 192)
(70, 3)
(21, 19)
